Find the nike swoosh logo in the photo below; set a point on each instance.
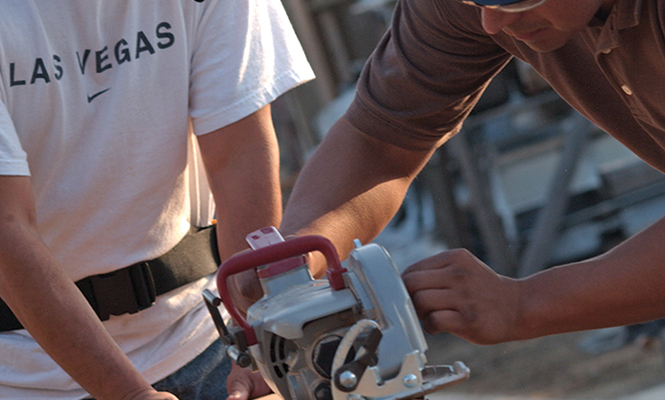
(91, 98)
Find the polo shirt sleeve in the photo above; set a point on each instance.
(426, 74)
(13, 159)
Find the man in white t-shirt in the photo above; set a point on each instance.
(111, 116)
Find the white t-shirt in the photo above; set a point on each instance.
(96, 100)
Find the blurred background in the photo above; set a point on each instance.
(528, 183)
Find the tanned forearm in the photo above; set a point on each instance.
(621, 287)
(51, 307)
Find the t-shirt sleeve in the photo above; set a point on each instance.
(13, 160)
(245, 55)
(425, 75)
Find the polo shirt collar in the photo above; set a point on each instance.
(625, 14)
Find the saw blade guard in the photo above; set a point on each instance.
(388, 343)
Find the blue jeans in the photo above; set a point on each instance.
(204, 378)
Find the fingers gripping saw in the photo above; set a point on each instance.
(352, 336)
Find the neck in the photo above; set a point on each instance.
(606, 6)
(604, 10)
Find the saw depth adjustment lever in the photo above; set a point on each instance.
(365, 347)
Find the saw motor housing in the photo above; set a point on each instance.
(354, 335)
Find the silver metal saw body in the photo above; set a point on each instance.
(352, 336)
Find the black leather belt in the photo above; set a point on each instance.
(134, 288)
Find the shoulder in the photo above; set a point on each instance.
(441, 17)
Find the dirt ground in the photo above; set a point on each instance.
(551, 367)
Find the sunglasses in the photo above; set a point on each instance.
(515, 7)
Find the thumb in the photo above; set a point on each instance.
(239, 390)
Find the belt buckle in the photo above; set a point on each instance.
(128, 290)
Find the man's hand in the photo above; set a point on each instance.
(243, 384)
(246, 289)
(455, 292)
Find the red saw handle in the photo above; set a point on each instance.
(266, 255)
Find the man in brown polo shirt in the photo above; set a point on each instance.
(604, 57)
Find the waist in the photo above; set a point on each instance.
(135, 287)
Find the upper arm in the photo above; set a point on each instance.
(346, 147)
(350, 187)
(16, 200)
(242, 164)
(253, 135)
(18, 225)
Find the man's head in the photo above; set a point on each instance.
(543, 25)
